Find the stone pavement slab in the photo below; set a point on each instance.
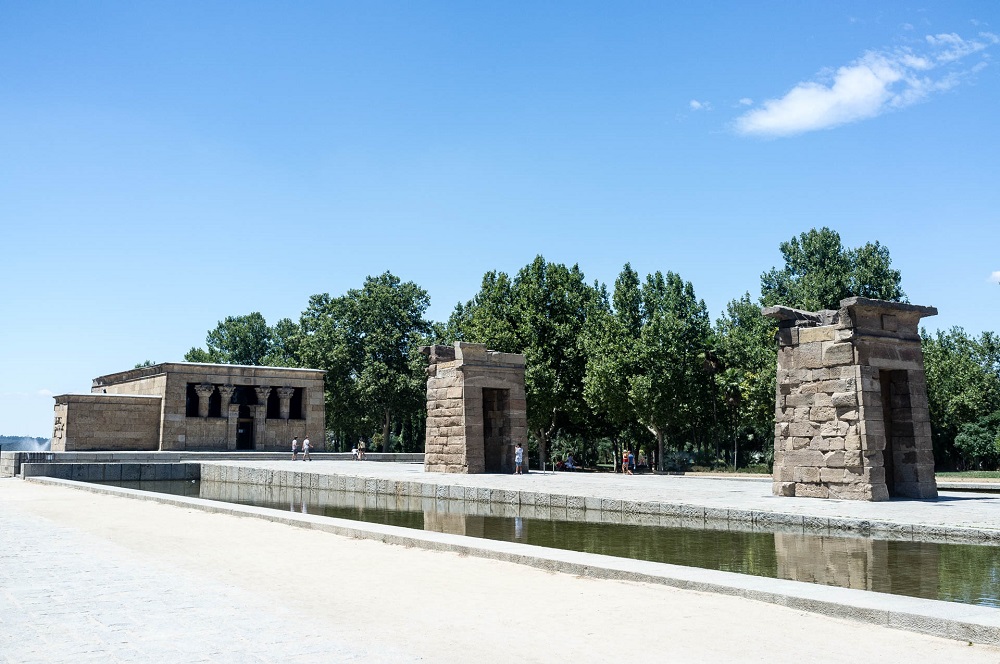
(67, 596)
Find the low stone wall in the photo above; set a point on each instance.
(541, 505)
(11, 462)
(113, 472)
(106, 422)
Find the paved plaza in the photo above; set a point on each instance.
(93, 577)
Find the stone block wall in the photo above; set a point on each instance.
(86, 422)
(179, 430)
(457, 436)
(851, 418)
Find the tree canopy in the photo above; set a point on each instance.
(819, 272)
(366, 341)
(540, 313)
(963, 391)
(245, 340)
(641, 366)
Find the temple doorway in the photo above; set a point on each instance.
(496, 429)
(898, 422)
(244, 429)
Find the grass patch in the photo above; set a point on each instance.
(974, 474)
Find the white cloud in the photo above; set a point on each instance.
(45, 393)
(995, 277)
(700, 105)
(746, 101)
(877, 82)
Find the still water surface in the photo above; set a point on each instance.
(964, 573)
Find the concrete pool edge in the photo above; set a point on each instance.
(452, 488)
(960, 622)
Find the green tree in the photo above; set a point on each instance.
(963, 384)
(540, 313)
(244, 340)
(747, 356)
(819, 273)
(327, 341)
(366, 340)
(611, 337)
(672, 391)
(285, 341)
(644, 357)
(978, 443)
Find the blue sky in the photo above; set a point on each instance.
(165, 166)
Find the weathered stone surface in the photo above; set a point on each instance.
(460, 424)
(198, 407)
(810, 334)
(835, 371)
(844, 399)
(838, 353)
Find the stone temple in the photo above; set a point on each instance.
(189, 406)
(851, 418)
(476, 409)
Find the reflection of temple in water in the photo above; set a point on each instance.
(901, 568)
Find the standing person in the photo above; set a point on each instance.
(518, 459)
(361, 449)
(305, 449)
(295, 448)
(631, 462)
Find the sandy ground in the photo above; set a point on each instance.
(443, 607)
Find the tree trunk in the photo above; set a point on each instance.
(659, 449)
(408, 434)
(542, 444)
(385, 431)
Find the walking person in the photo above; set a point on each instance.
(295, 448)
(305, 449)
(518, 459)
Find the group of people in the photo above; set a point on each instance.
(569, 463)
(306, 446)
(628, 462)
(359, 450)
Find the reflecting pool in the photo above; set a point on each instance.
(966, 573)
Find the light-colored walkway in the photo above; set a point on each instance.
(951, 509)
(91, 577)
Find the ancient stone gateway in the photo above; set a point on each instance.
(475, 409)
(851, 418)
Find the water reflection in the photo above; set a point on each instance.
(954, 572)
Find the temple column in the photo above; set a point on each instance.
(285, 395)
(231, 412)
(260, 416)
(204, 394)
